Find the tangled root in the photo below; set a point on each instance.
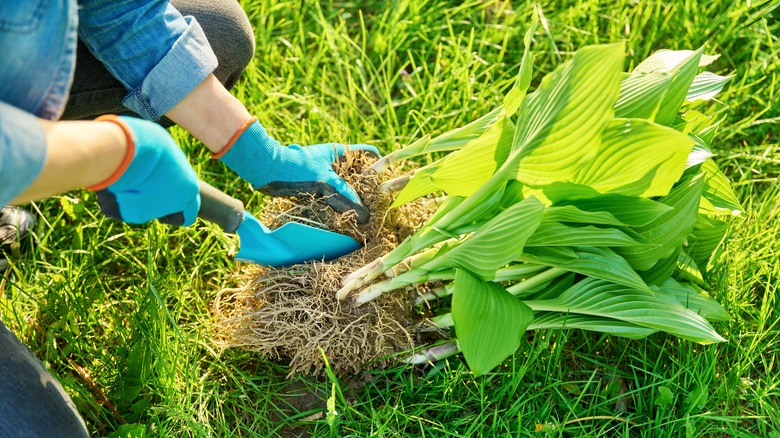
(291, 314)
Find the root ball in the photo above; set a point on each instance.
(292, 315)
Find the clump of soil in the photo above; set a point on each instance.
(291, 314)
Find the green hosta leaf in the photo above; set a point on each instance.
(450, 140)
(667, 233)
(421, 184)
(662, 270)
(515, 96)
(636, 158)
(464, 171)
(708, 133)
(705, 86)
(698, 125)
(572, 214)
(693, 299)
(692, 122)
(672, 60)
(594, 262)
(641, 95)
(489, 321)
(706, 236)
(550, 290)
(634, 211)
(553, 233)
(555, 320)
(657, 87)
(707, 60)
(700, 153)
(683, 65)
(459, 137)
(513, 193)
(560, 124)
(467, 221)
(608, 300)
(550, 256)
(496, 243)
(688, 270)
(718, 196)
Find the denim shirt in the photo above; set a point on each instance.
(158, 55)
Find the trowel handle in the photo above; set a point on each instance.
(220, 208)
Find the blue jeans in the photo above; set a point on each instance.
(32, 402)
(38, 47)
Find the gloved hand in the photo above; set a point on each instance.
(155, 181)
(293, 170)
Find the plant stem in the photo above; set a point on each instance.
(463, 213)
(443, 321)
(435, 294)
(382, 163)
(477, 204)
(414, 261)
(409, 277)
(416, 148)
(425, 238)
(510, 273)
(435, 353)
(535, 281)
(396, 184)
(518, 272)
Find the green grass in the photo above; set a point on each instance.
(131, 305)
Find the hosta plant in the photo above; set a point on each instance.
(591, 202)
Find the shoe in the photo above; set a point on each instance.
(15, 225)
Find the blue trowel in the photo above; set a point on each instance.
(289, 244)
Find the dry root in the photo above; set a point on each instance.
(291, 314)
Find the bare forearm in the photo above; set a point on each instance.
(78, 154)
(210, 113)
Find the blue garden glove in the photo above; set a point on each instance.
(293, 170)
(154, 181)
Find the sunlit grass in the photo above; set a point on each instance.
(131, 305)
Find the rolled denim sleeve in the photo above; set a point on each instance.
(156, 53)
(22, 151)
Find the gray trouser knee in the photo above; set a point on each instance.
(32, 401)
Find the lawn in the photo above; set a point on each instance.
(123, 314)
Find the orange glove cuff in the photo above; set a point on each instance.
(233, 139)
(129, 153)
